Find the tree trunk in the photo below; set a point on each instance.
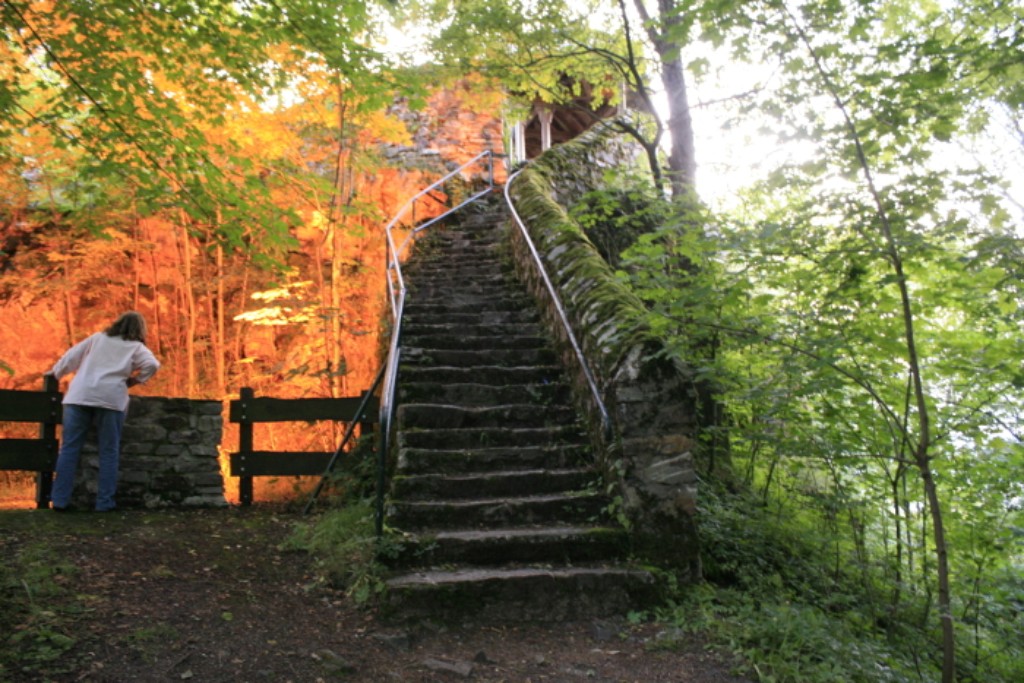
(682, 161)
(190, 308)
(136, 261)
(153, 336)
(342, 198)
(220, 347)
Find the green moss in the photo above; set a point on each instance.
(608, 315)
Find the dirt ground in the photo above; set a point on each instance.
(210, 595)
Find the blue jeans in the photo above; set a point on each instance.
(76, 423)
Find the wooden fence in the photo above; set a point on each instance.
(33, 455)
(248, 410)
(44, 408)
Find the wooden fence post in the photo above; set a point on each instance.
(48, 433)
(245, 443)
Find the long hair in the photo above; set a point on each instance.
(130, 326)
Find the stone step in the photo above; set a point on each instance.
(462, 358)
(478, 339)
(414, 329)
(486, 278)
(476, 233)
(483, 547)
(455, 337)
(518, 594)
(481, 374)
(439, 416)
(437, 486)
(480, 271)
(443, 292)
(496, 512)
(460, 439)
(501, 458)
(443, 242)
(441, 310)
(473, 234)
(470, 318)
(475, 237)
(477, 394)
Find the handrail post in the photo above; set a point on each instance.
(48, 434)
(365, 426)
(382, 481)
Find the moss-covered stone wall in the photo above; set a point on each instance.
(650, 398)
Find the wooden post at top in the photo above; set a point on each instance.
(546, 116)
(245, 443)
(48, 433)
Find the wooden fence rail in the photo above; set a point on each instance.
(248, 410)
(33, 455)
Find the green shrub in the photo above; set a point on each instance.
(613, 219)
(346, 550)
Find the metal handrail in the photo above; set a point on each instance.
(606, 423)
(396, 295)
(356, 418)
(395, 253)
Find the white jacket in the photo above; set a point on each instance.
(102, 365)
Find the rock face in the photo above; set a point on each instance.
(495, 486)
(169, 449)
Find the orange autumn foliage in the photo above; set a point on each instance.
(64, 275)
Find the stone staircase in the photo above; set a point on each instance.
(503, 513)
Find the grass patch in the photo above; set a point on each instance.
(148, 641)
(346, 550)
(37, 610)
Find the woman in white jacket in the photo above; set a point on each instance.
(105, 364)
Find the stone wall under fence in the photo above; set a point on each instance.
(169, 449)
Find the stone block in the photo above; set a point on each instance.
(133, 477)
(670, 473)
(173, 423)
(132, 448)
(139, 431)
(210, 423)
(208, 407)
(144, 463)
(209, 490)
(206, 448)
(183, 436)
(196, 465)
(213, 479)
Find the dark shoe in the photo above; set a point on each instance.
(66, 508)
